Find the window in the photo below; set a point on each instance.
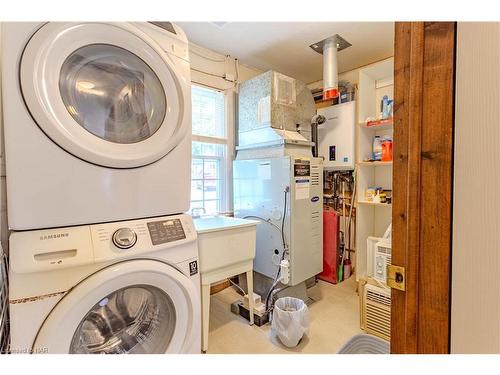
(208, 170)
(208, 112)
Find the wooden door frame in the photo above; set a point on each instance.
(424, 81)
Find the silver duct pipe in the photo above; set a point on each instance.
(330, 68)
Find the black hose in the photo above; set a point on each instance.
(283, 226)
(285, 249)
(283, 234)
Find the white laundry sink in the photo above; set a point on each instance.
(226, 248)
(224, 242)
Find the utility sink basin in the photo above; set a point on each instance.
(226, 248)
(224, 242)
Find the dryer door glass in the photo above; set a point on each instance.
(135, 319)
(112, 93)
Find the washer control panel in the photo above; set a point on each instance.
(166, 231)
(124, 238)
(135, 237)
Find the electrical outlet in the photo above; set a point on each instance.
(256, 300)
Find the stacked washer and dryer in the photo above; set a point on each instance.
(97, 121)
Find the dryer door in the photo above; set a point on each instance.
(106, 93)
(137, 306)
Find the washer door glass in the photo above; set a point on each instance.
(112, 93)
(107, 93)
(135, 319)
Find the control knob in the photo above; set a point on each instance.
(124, 238)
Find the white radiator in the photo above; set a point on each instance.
(377, 311)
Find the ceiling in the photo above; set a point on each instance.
(284, 46)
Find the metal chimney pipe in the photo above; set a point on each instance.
(330, 47)
(330, 68)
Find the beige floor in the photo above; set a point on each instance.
(334, 319)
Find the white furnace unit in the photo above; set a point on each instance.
(277, 180)
(284, 192)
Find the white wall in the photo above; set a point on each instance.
(3, 210)
(4, 233)
(351, 75)
(475, 306)
(208, 68)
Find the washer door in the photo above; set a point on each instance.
(106, 93)
(137, 306)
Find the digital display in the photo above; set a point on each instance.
(332, 153)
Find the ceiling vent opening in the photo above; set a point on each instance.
(220, 24)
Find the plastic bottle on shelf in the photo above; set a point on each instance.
(377, 148)
(390, 108)
(385, 107)
(386, 150)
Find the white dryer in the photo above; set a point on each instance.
(123, 287)
(97, 121)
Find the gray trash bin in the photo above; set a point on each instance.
(365, 344)
(290, 320)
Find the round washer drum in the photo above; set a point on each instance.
(106, 93)
(136, 306)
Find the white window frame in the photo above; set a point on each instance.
(226, 160)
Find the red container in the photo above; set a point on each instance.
(387, 151)
(330, 247)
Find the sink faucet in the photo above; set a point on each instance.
(195, 211)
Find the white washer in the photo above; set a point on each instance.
(97, 117)
(123, 287)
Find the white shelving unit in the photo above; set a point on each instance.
(372, 219)
(375, 163)
(374, 203)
